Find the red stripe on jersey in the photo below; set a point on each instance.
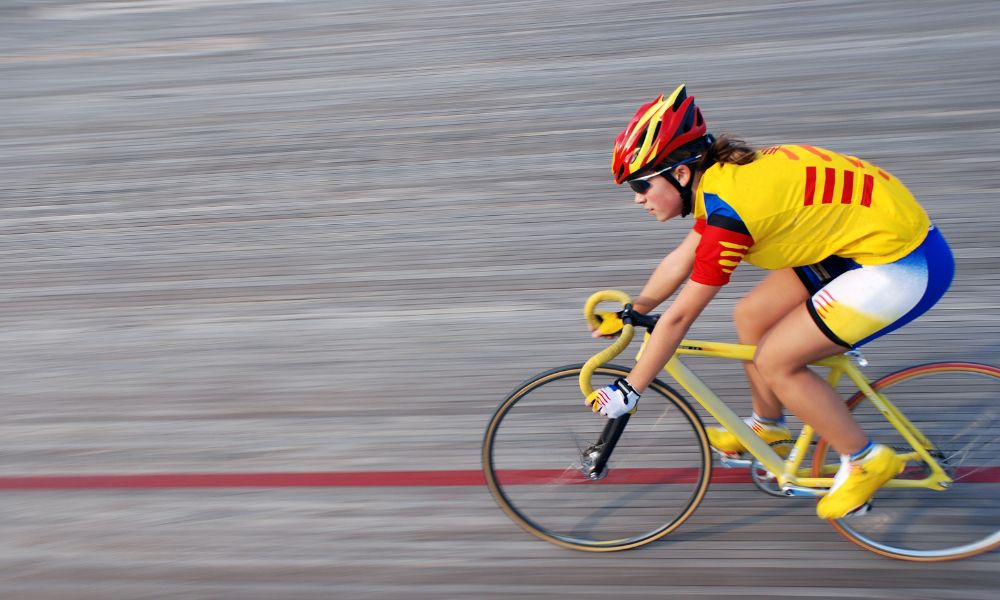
(810, 185)
(866, 191)
(829, 178)
(788, 153)
(845, 197)
(883, 174)
(816, 151)
(718, 245)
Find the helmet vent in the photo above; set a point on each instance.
(656, 131)
(681, 97)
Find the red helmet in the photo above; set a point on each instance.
(657, 130)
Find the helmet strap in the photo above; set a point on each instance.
(683, 190)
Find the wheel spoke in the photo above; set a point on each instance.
(953, 404)
(657, 473)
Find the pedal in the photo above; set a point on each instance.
(861, 510)
(743, 460)
(732, 461)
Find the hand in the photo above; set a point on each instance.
(610, 325)
(614, 400)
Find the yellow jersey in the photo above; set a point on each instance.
(796, 205)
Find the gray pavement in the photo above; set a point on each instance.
(332, 235)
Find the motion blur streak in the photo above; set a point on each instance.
(297, 245)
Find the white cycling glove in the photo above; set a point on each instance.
(614, 400)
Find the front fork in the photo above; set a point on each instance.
(595, 458)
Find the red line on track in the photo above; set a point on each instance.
(245, 480)
(344, 479)
(452, 478)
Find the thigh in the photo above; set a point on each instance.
(795, 341)
(769, 302)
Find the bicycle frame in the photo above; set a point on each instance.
(788, 471)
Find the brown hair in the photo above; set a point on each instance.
(727, 150)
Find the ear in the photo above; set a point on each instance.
(683, 174)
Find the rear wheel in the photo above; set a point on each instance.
(957, 408)
(536, 453)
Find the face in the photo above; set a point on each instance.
(662, 200)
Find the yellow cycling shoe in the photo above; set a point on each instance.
(726, 443)
(857, 481)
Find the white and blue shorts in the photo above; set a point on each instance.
(854, 304)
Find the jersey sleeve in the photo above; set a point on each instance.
(724, 242)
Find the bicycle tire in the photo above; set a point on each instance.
(954, 404)
(657, 476)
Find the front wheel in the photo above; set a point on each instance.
(957, 408)
(538, 446)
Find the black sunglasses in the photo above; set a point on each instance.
(641, 185)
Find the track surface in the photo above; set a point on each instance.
(328, 237)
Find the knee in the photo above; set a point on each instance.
(772, 366)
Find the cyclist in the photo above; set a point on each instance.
(852, 256)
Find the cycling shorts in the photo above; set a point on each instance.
(854, 304)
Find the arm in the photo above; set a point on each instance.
(721, 244)
(707, 256)
(697, 257)
(672, 271)
(670, 329)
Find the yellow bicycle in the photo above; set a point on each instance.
(581, 481)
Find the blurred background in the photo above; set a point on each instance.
(271, 236)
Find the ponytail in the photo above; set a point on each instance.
(726, 150)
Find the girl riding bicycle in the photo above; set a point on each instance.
(852, 257)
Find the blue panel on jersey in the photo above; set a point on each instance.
(715, 205)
